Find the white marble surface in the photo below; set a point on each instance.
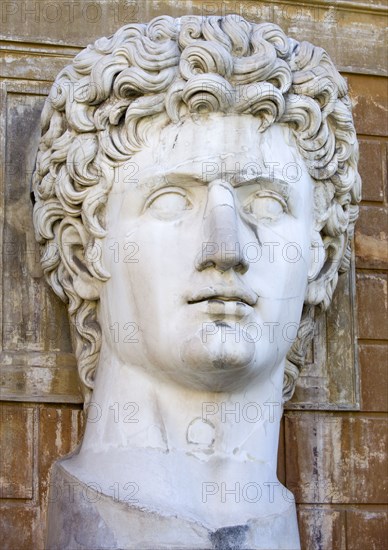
(200, 385)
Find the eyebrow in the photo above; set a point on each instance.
(270, 182)
(237, 180)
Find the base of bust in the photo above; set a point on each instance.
(80, 518)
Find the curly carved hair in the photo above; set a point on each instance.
(98, 115)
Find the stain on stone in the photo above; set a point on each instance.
(229, 538)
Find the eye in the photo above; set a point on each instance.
(266, 206)
(168, 203)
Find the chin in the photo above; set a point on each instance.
(215, 364)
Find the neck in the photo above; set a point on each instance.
(203, 447)
(131, 410)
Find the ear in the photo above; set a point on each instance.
(323, 274)
(317, 257)
(77, 258)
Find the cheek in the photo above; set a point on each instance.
(168, 246)
(281, 260)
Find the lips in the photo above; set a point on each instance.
(224, 294)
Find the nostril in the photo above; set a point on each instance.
(242, 267)
(222, 259)
(200, 265)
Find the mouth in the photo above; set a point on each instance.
(224, 295)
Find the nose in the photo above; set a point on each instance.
(221, 248)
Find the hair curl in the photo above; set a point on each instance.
(98, 115)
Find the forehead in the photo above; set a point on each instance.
(218, 145)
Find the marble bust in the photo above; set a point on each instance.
(196, 190)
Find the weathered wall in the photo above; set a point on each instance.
(335, 460)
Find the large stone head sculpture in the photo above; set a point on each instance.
(213, 78)
(196, 191)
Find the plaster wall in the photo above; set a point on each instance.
(332, 457)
